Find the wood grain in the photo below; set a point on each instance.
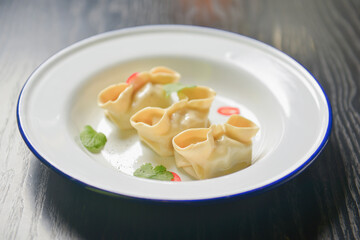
(321, 203)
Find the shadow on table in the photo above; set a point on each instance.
(294, 210)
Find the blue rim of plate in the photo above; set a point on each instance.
(258, 190)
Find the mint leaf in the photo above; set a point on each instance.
(175, 87)
(162, 174)
(158, 173)
(159, 169)
(145, 171)
(92, 140)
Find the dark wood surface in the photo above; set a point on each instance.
(321, 203)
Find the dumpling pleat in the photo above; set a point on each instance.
(187, 113)
(123, 100)
(225, 149)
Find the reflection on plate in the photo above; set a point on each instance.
(267, 86)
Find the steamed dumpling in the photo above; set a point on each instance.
(215, 151)
(145, 89)
(157, 126)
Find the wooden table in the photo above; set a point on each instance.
(321, 203)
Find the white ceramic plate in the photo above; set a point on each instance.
(268, 87)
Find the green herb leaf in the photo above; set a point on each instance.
(175, 87)
(162, 174)
(92, 140)
(158, 173)
(145, 171)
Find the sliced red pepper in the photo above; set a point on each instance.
(176, 177)
(227, 111)
(132, 78)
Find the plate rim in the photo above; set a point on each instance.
(165, 27)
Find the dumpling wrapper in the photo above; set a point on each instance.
(215, 151)
(157, 126)
(123, 100)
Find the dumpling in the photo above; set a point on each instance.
(144, 89)
(215, 151)
(157, 126)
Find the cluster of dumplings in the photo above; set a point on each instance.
(180, 128)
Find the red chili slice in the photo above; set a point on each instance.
(227, 111)
(132, 78)
(176, 177)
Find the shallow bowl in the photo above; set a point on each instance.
(266, 85)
